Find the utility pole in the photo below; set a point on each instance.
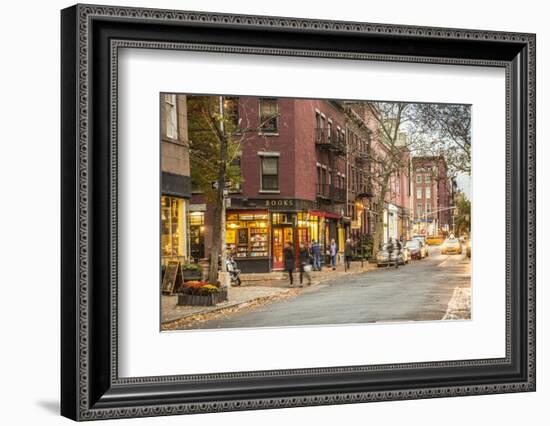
(224, 191)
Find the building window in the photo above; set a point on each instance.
(268, 115)
(171, 116)
(427, 178)
(428, 208)
(419, 209)
(418, 193)
(270, 173)
(428, 192)
(329, 132)
(418, 178)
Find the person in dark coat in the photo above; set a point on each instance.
(348, 253)
(316, 252)
(397, 246)
(290, 261)
(304, 259)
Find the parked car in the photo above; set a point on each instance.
(451, 245)
(421, 238)
(416, 249)
(384, 257)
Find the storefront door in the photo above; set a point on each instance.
(281, 236)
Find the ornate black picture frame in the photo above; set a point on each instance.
(91, 36)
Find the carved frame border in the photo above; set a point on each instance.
(85, 14)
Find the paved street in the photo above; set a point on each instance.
(418, 291)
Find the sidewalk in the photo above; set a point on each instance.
(256, 290)
(280, 278)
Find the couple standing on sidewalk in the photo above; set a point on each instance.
(304, 261)
(348, 253)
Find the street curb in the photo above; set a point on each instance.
(220, 308)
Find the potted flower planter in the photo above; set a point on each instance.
(191, 272)
(203, 300)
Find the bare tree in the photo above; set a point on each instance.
(388, 156)
(446, 130)
(216, 136)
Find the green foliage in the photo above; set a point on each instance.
(208, 129)
(191, 267)
(363, 248)
(463, 216)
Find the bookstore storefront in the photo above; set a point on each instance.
(248, 239)
(257, 238)
(173, 229)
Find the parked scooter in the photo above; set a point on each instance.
(234, 271)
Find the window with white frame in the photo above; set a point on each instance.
(270, 173)
(418, 193)
(268, 115)
(428, 192)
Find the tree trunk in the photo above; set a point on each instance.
(379, 224)
(217, 232)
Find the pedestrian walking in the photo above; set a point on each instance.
(316, 252)
(304, 260)
(390, 249)
(348, 253)
(290, 261)
(333, 250)
(397, 246)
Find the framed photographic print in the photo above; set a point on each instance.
(263, 212)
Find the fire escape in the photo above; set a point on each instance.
(332, 142)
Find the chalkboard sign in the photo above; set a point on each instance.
(170, 276)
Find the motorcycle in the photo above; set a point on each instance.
(234, 271)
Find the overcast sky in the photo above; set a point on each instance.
(464, 183)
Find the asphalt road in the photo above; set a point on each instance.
(419, 291)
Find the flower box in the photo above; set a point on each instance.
(203, 300)
(192, 275)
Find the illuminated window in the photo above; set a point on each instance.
(172, 227)
(428, 192)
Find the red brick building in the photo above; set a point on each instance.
(303, 167)
(396, 204)
(431, 196)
